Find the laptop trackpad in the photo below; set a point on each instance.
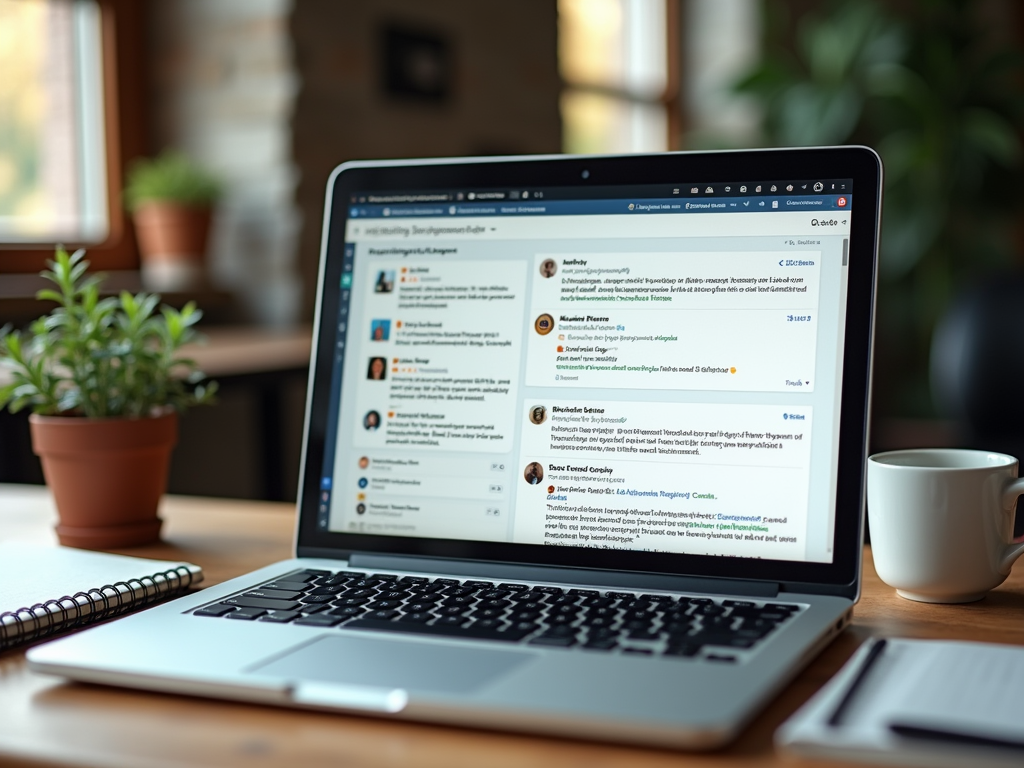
(394, 664)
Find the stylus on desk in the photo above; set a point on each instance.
(862, 673)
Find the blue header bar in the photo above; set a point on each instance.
(608, 207)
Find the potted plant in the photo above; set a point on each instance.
(105, 384)
(171, 200)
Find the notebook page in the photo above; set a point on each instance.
(31, 574)
(968, 688)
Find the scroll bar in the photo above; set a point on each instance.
(846, 251)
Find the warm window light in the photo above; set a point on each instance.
(52, 155)
(613, 58)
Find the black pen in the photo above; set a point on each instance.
(862, 673)
(953, 737)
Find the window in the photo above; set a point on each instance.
(52, 164)
(614, 59)
(72, 92)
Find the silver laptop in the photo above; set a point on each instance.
(584, 453)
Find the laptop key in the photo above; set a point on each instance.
(557, 642)
(384, 605)
(418, 607)
(452, 621)
(288, 586)
(382, 614)
(393, 594)
(525, 615)
(561, 631)
(359, 592)
(561, 618)
(261, 602)
(514, 587)
(471, 632)
(486, 624)
(311, 608)
(319, 620)
(245, 614)
(214, 610)
(348, 611)
(345, 601)
(488, 613)
(601, 645)
(327, 590)
(417, 617)
(303, 576)
(685, 650)
(643, 634)
(316, 598)
(333, 581)
(414, 580)
(459, 600)
(279, 617)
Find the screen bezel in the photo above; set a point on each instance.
(858, 163)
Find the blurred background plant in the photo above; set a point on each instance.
(937, 91)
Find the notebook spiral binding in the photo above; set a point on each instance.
(42, 619)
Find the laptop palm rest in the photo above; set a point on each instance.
(373, 672)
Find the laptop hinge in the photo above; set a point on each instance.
(602, 578)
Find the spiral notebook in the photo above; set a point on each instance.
(45, 590)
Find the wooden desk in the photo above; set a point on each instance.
(44, 720)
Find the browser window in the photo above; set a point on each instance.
(643, 369)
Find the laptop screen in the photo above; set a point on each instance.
(651, 368)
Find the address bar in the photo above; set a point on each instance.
(773, 224)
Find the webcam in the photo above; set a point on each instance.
(585, 174)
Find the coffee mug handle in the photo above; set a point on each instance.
(1014, 489)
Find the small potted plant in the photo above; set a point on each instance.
(105, 384)
(171, 200)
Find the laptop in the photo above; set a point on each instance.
(584, 452)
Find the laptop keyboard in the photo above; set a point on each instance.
(608, 621)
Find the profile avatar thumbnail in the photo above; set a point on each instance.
(378, 369)
(544, 324)
(538, 414)
(534, 473)
(385, 282)
(380, 330)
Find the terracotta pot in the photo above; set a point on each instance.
(106, 475)
(172, 243)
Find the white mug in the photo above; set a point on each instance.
(942, 521)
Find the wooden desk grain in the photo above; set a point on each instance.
(46, 721)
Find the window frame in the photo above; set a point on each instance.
(123, 40)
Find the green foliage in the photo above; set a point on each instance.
(170, 177)
(101, 357)
(938, 95)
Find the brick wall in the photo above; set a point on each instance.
(272, 94)
(224, 87)
(503, 100)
